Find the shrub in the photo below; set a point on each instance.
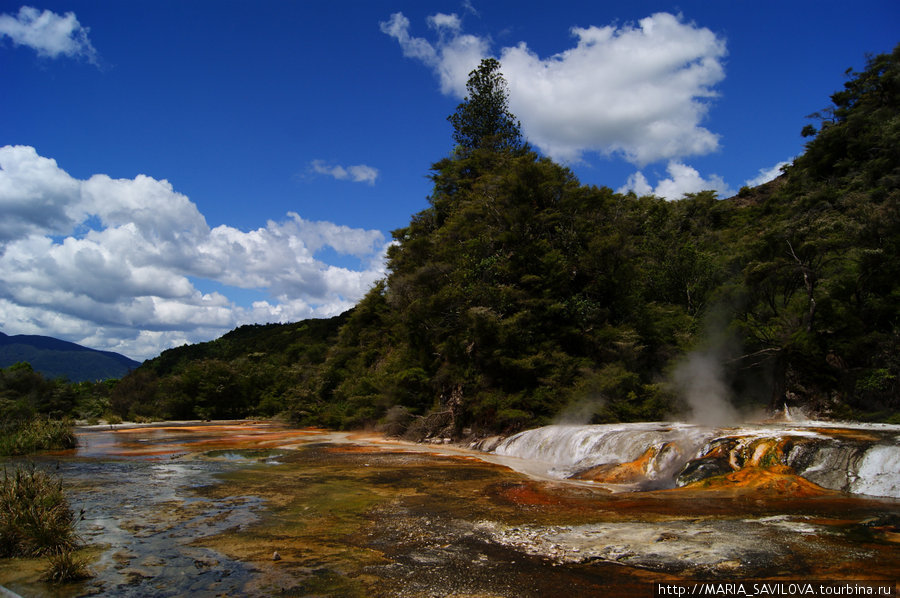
(29, 436)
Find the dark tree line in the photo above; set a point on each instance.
(26, 394)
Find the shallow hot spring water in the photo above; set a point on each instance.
(257, 509)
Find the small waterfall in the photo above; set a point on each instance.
(854, 458)
(570, 449)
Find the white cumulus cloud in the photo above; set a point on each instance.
(639, 91)
(35, 195)
(48, 33)
(359, 173)
(682, 179)
(766, 174)
(127, 284)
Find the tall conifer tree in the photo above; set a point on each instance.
(483, 119)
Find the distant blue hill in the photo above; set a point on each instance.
(55, 358)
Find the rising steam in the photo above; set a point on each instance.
(700, 379)
(580, 412)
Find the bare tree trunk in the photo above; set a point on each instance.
(809, 281)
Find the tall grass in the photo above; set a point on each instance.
(29, 436)
(35, 520)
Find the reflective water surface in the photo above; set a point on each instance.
(257, 509)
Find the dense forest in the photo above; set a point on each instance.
(520, 295)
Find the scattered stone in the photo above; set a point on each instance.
(135, 576)
(205, 563)
(123, 558)
(152, 561)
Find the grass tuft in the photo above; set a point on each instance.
(65, 566)
(35, 518)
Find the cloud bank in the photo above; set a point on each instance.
(637, 91)
(682, 179)
(112, 263)
(48, 33)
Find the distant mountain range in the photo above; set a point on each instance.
(55, 358)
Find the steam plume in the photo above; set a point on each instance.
(580, 412)
(700, 380)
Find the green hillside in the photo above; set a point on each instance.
(520, 294)
(56, 358)
(254, 370)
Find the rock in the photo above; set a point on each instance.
(701, 469)
(778, 480)
(667, 537)
(487, 444)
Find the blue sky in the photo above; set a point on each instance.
(171, 170)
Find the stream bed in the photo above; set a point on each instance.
(258, 509)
